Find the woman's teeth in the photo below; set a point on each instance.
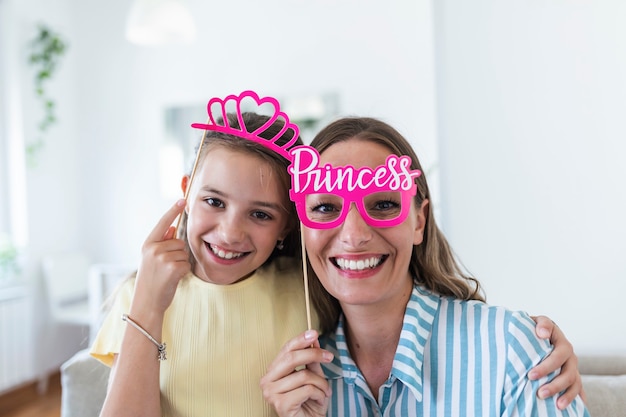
(361, 264)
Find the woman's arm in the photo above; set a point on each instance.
(568, 381)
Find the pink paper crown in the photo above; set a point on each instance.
(242, 131)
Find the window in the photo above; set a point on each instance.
(13, 219)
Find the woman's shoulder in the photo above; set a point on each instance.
(477, 308)
(509, 327)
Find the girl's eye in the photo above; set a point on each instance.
(261, 215)
(214, 202)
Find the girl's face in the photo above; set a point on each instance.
(356, 263)
(236, 214)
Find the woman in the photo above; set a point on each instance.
(406, 331)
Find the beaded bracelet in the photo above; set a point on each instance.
(161, 346)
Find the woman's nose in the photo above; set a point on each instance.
(354, 230)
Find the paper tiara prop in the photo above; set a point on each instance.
(218, 120)
(307, 176)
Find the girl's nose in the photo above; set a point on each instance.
(232, 230)
(354, 231)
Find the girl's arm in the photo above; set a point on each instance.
(134, 387)
(519, 390)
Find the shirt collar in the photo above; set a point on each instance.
(409, 358)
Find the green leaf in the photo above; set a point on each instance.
(46, 50)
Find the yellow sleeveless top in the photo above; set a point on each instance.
(220, 339)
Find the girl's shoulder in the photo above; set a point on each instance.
(283, 266)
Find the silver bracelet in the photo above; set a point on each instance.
(161, 346)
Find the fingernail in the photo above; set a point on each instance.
(180, 202)
(544, 393)
(309, 335)
(543, 333)
(327, 356)
(532, 375)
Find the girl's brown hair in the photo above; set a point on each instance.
(433, 264)
(253, 121)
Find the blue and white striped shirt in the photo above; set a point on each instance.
(454, 358)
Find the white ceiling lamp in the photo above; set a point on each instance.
(159, 22)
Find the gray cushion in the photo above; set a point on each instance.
(602, 364)
(606, 395)
(84, 385)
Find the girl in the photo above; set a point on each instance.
(406, 330)
(221, 325)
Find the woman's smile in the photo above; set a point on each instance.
(358, 263)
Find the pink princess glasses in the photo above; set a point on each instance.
(324, 195)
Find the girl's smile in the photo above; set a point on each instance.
(225, 254)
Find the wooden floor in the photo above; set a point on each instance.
(26, 402)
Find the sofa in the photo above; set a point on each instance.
(84, 382)
(604, 380)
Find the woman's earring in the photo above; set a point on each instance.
(280, 245)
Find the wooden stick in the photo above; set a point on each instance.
(305, 271)
(193, 173)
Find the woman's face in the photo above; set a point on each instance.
(356, 263)
(236, 214)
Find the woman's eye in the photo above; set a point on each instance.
(386, 205)
(324, 208)
(215, 202)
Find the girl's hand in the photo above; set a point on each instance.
(562, 356)
(298, 393)
(164, 261)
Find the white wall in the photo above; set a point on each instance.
(531, 119)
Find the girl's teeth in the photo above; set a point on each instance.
(225, 255)
(359, 265)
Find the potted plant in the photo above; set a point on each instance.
(46, 50)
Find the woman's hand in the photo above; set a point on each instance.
(298, 393)
(562, 356)
(164, 261)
